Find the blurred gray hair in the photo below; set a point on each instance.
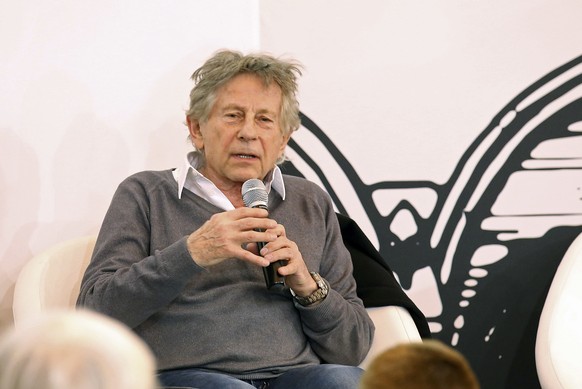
(75, 349)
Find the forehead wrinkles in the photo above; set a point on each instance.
(246, 95)
(241, 108)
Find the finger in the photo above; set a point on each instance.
(248, 256)
(284, 253)
(279, 230)
(244, 212)
(254, 236)
(278, 244)
(288, 268)
(249, 224)
(252, 247)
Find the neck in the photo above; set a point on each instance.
(232, 190)
(235, 198)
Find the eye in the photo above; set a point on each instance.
(232, 115)
(266, 119)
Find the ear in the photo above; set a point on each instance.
(284, 142)
(195, 133)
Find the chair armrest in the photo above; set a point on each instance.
(394, 325)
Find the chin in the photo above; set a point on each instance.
(249, 176)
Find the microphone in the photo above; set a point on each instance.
(255, 195)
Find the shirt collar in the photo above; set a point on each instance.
(187, 176)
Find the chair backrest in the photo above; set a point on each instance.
(52, 278)
(559, 341)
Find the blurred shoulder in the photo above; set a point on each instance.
(149, 180)
(151, 176)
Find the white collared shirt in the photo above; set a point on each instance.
(187, 176)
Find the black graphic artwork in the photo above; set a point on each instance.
(489, 240)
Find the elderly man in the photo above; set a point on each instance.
(180, 258)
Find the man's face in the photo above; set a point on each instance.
(242, 138)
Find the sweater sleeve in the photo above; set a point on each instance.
(124, 280)
(339, 328)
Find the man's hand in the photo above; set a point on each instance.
(225, 235)
(295, 271)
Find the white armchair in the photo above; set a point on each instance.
(394, 325)
(559, 341)
(52, 280)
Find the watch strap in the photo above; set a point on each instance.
(318, 295)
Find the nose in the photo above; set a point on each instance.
(248, 130)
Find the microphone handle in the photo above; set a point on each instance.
(272, 276)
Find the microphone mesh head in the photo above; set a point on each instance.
(255, 194)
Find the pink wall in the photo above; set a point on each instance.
(92, 92)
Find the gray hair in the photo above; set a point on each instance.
(75, 349)
(226, 64)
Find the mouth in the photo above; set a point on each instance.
(245, 156)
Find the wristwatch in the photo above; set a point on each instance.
(318, 295)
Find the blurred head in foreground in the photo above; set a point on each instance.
(75, 350)
(420, 365)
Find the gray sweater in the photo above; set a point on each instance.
(222, 318)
